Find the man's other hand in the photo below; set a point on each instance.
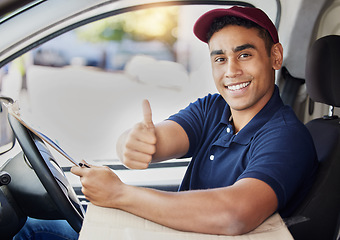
(140, 143)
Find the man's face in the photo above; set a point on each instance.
(242, 69)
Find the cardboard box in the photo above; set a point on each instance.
(107, 223)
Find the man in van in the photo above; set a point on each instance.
(251, 156)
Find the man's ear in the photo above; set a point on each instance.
(277, 56)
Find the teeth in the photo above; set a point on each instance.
(238, 86)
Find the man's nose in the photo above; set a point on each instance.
(232, 69)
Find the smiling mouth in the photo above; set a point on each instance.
(238, 86)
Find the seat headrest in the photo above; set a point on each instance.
(323, 71)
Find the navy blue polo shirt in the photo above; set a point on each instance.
(274, 147)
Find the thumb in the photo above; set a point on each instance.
(147, 114)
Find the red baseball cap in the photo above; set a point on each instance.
(255, 15)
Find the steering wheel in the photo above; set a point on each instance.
(50, 174)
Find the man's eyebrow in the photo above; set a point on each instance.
(236, 49)
(243, 47)
(216, 52)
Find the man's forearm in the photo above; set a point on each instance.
(214, 211)
(193, 211)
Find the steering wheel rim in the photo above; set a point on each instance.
(54, 182)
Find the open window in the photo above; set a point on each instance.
(84, 87)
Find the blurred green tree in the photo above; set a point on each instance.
(142, 25)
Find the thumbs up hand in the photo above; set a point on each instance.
(140, 143)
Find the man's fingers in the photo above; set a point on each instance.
(80, 169)
(147, 146)
(147, 113)
(137, 160)
(77, 171)
(140, 143)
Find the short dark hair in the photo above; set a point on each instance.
(224, 21)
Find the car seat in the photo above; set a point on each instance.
(317, 216)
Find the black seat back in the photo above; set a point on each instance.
(317, 216)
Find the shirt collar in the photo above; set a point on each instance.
(245, 135)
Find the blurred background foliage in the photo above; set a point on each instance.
(142, 25)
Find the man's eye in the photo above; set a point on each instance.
(219, 59)
(244, 55)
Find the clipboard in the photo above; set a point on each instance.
(14, 111)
